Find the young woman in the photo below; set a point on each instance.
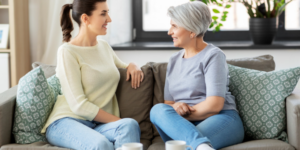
(198, 108)
(86, 116)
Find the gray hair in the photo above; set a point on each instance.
(193, 16)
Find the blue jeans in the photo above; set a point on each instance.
(91, 135)
(221, 130)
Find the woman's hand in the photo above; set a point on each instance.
(183, 109)
(136, 75)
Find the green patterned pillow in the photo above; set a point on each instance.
(35, 99)
(260, 98)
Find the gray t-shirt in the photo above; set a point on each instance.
(191, 80)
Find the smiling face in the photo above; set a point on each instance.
(181, 37)
(99, 19)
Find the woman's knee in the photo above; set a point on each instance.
(158, 110)
(131, 124)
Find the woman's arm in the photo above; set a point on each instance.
(105, 117)
(171, 103)
(182, 109)
(136, 75)
(69, 74)
(133, 71)
(216, 78)
(211, 106)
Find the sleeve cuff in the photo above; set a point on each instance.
(94, 111)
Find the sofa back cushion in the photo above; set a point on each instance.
(49, 70)
(262, 63)
(136, 103)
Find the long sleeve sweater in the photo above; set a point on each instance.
(89, 78)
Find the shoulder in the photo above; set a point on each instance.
(103, 42)
(103, 45)
(65, 49)
(176, 56)
(214, 52)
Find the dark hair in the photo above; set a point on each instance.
(79, 7)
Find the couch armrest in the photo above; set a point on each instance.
(7, 107)
(293, 118)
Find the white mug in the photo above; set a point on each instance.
(177, 145)
(131, 146)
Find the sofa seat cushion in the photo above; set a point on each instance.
(33, 146)
(267, 144)
(250, 145)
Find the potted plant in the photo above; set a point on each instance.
(263, 23)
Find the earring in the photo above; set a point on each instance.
(192, 36)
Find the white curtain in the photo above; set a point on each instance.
(46, 34)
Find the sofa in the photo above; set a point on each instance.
(138, 103)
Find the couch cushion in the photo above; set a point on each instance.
(33, 146)
(49, 70)
(35, 100)
(137, 103)
(251, 145)
(263, 63)
(260, 99)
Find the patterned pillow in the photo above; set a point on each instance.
(35, 100)
(260, 98)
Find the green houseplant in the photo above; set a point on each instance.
(263, 17)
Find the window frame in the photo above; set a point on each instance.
(139, 35)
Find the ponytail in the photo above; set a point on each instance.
(66, 22)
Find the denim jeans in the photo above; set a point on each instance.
(91, 135)
(221, 130)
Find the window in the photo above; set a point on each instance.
(292, 16)
(151, 22)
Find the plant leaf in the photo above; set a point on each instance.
(211, 25)
(227, 6)
(216, 11)
(214, 17)
(281, 9)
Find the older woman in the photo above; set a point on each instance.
(198, 107)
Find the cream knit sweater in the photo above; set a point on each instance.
(89, 78)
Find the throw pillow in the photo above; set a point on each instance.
(35, 100)
(260, 98)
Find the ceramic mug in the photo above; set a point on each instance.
(131, 146)
(177, 145)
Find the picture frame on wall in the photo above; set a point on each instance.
(4, 36)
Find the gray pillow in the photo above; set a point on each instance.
(49, 70)
(261, 63)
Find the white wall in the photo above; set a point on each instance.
(283, 58)
(4, 69)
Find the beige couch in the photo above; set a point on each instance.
(137, 104)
